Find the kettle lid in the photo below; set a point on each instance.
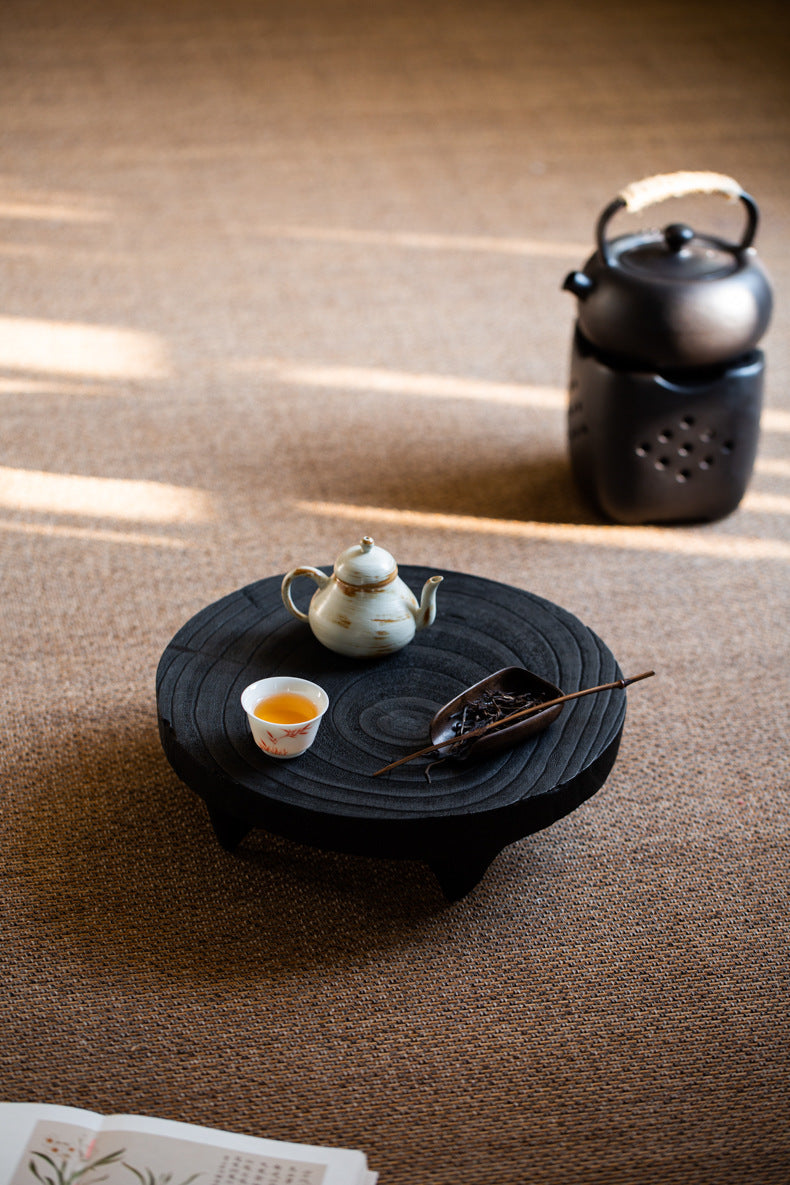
(674, 241)
(364, 564)
(676, 253)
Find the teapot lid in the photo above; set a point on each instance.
(365, 563)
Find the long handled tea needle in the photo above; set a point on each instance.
(531, 711)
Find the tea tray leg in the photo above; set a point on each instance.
(458, 873)
(229, 830)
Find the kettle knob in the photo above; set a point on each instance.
(677, 235)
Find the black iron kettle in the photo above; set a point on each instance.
(672, 299)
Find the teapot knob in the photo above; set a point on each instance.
(677, 236)
(366, 543)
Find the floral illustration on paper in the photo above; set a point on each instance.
(64, 1163)
(64, 1153)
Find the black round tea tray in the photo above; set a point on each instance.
(381, 710)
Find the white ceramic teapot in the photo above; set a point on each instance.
(363, 609)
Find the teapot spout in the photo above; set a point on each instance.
(426, 613)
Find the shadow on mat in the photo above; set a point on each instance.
(536, 491)
(119, 862)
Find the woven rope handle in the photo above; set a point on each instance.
(656, 189)
(651, 190)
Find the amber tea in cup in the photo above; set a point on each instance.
(286, 707)
(284, 713)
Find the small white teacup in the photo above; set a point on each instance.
(295, 706)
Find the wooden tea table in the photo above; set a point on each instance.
(380, 710)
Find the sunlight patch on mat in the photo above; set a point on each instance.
(766, 503)
(22, 202)
(775, 420)
(94, 535)
(96, 351)
(774, 466)
(399, 382)
(58, 254)
(102, 497)
(420, 241)
(44, 211)
(628, 538)
(439, 386)
(22, 385)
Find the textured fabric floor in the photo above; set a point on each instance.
(279, 275)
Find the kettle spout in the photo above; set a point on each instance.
(579, 283)
(425, 614)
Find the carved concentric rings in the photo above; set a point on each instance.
(380, 710)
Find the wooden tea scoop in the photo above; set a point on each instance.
(476, 732)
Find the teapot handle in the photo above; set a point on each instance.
(315, 574)
(652, 190)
